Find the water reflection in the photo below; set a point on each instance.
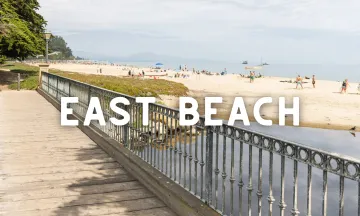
(341, 142)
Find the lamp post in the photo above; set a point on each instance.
(47, 36)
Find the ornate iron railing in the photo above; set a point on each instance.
(209, 161)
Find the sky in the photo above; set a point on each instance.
(279, 31)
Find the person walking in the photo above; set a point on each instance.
(313, 81)
(299, 82)
(344, 86)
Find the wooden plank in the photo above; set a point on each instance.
(23, 171)
(39, 163)
(61, 176)
(32, 186)
(68, 201)
(69, 191)
(95, 209)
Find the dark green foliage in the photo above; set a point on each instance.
(21, 29)
(58, 44)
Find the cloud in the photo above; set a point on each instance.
(223, 26)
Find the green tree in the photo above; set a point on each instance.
(58, 44)
(21, 29)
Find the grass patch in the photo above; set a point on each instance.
(28, 73)
(131, 86)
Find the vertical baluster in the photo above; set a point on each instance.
(241, 183)
(167, 144)
(250, 188)
(156, 134)
(295, 211)
(270, 198)
(202, 163)
(180, 154)
(185, 155)
(341, 196)
(171, 146)
(282, 203)
(259, 192)
(176, 150)
(232, 179)
(223, 175)
(158, 141)
(309, 190)
(152, 137)
(217, 171)
(324, 202)
(136, 136)
(132, 127)
(190, 157)
(209, 164)
(162, 141)
(142, 132)
(148, 132)
(121, 135)
(196, 161)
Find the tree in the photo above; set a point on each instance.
(58, 44)
(21, 29)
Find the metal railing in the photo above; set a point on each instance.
(210, 161)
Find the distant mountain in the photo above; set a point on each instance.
(140, 57)
(150, 57)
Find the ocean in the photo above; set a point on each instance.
(333, 72)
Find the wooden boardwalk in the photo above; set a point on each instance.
(47, 169)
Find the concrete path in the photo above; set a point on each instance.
(47, 169)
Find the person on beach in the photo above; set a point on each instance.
(252, 76)
(299, 82)
(313, 81)
(358, 88)
(344, 86)
(143, 73)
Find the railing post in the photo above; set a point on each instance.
(18, 82)
(126, 128)
(57, 87)
(69, 87)
(209, 165)
(48, 83)
(45, 68)
(89, 94)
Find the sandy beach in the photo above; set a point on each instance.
(322, 107)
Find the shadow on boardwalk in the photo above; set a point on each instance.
(111, 191)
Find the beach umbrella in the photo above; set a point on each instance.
(159, 64)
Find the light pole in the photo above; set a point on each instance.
(47, 36)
